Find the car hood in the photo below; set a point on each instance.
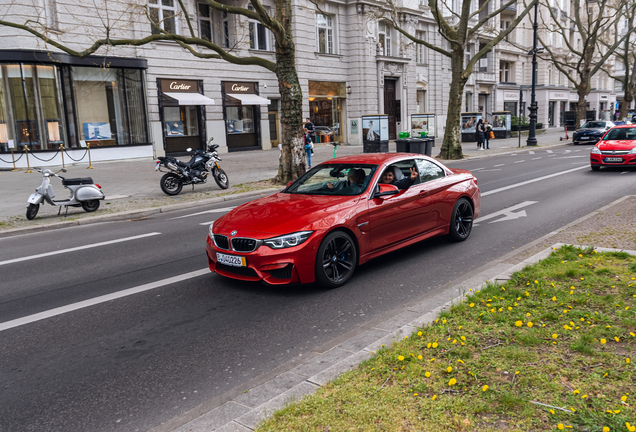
(589, 131)
(616, 145)
(284, 213)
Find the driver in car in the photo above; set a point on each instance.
(389, 178)
(353, 185)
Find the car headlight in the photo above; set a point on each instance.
(632, 151)
(288, 240)
(595, 150)
(211, 232)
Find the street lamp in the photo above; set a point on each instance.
(532, 135)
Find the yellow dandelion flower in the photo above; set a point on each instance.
(576, 392)
(630, 428)
(627, 360)
(528, 314)
(454, 341)
(560, 426)
(434, 397)
(616, 339)
(536, 281)
(603, 341)
(419, 357)
(509, 308)
(449, 369)
(443, 321)
(623, 398)
(632, 334)
(530, 324)
(419, 333)
(434, 345)
(519, 323)
(552, 411)
(582, 278)
(460, 361)
(554, 298)
(463, 338)
(400, 358)
(428, 345)
(583, 397)
(427, 374)
(555, 336)
(452, 382)
(606, 429)
(415, 394)
(472, 305)
(484, 388)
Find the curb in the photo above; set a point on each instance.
(133, 214)
(246, 410)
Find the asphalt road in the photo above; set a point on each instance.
(140, 358)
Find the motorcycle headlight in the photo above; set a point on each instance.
(595, 150)
(288, 240)
(211, 231)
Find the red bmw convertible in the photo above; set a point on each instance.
(340, 215)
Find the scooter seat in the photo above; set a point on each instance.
(77, 181)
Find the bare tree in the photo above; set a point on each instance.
(459, 29)
(280, 24)
(580, 62)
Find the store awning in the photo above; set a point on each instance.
(248, 99)
(190, 98)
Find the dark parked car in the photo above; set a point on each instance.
(591, 132)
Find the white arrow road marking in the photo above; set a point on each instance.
(508, 213)
(27, 258)
(207, 223)
(512, 186)
(101, 299)
(549, 151)
(224, 209)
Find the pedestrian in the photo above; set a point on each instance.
(481, 131)
(488, 129)
(311, 129)
(309, 147)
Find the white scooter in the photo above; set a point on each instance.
(84, 193)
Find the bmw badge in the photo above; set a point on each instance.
(233, 233)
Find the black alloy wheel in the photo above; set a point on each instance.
(221, 178)
(461, 223)
(336, 260)
(32, 211)
(90, 206)
(171, 184)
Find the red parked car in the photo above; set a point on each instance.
(338, 216)
(616, 148)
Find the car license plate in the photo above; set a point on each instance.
(231, 260)
(585, 138)
(613, 159)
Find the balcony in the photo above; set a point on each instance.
(486, 77)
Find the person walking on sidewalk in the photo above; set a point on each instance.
(309, 126)
(309, 147)
(488, 128)
(481, 131)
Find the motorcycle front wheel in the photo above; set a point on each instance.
(90, 206)
(221, 178)
(171, 184)
(32, 211)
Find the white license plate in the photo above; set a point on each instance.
(231, 260)
(613, 159)
(157, 166)
(585, 138)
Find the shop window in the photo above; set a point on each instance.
(240, 119)
(511, 107)
(384, 37)
(100, 105)
(136, 103)
(163, 13)
(181, 121)
(324, 27)
(259, 34)
(205, 22)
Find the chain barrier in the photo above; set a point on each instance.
(45, 160)
(7, 162)
(76, 160)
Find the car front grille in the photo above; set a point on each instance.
(283, 273)
(221, 242)
(617, 152)
(241, 271)
(240, 244)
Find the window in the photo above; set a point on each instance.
(384, 37)
(163, 14)
(469, 52)
(550, 75)
(50, 11)
(504, 71)
(259, 34)
(225, 28)
(503, 25)
(240, 119)
(428, 170)
(421, 52)
(205, 22)
(469, 102)
(181, 121)
(324, 27)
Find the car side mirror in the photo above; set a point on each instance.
(386, 190)
(289, 184)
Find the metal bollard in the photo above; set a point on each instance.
(88, 149)
(26, 151)
(62, 153)
(13, 159)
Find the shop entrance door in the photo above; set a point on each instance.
(272, 116)
(390, 105)
(551, 106)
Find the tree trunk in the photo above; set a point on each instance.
(581, 109)
(627, 102)
(452, 145)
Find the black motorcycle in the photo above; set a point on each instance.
(192, 172)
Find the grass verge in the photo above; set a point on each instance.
(550, 350)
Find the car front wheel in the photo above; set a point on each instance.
(336, 260)
(461, 223)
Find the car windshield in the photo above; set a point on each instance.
(334, 179)
(594, 125)
(621, 134)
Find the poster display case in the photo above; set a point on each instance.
(501, 123)
(375, 133)
(423, 123)
(469, 126)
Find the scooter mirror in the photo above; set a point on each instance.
(189, 149)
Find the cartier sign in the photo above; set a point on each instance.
(558, 95)
(239, 87)
(511, 95)
(182, 86)
(604, 97)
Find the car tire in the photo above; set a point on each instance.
(595, 167)
(336, 260)
(461, 223)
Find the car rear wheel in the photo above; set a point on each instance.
(336, 260)
(461, 223)
(595, 167)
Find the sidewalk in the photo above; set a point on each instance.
(134, 184)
